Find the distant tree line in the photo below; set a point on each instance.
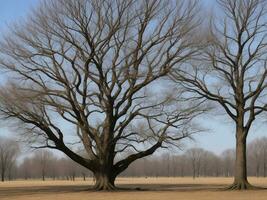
(194, 162)
(44, 165)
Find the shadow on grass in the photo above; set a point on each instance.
(64, 189)
(169, 187)
(36, 190)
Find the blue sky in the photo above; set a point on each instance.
(12, 10)
(221, 134)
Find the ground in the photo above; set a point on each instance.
(150, 188)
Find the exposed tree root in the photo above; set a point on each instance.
(244, 185)
(104, 187)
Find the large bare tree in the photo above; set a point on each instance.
(233, 69)
(94, 73)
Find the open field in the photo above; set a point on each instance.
(152, 188)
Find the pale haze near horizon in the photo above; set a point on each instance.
(221, 131)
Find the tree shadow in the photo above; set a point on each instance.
(33, 190)
(167, 187)
(63, 189)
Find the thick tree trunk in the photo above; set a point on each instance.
(240, 179)
(104, 181)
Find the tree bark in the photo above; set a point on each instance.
(104, 180)
(240, 179)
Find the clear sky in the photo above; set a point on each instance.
(221, 134)
(11, 10)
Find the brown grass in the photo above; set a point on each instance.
(152, 188)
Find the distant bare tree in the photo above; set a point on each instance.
(71, 169)
(43, 159)
(209, 164)
(264, 155)
(25, 169)
(181, 164)
(228, 159)
(101, 66)
(205, 160)
(216, 166)
(54, 168)
(195, 155)
(232, 71)
(255, 155)
(9, 150)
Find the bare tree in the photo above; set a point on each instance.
(195, 155)
(8, 152)
(99, 66)
(43, 158)
(209, 165)
(215, 165)
(228, 158)
(25, 169)
(71, 169)
(54, 167)
(264, 154)
(207, 157)
(255, 155)
(181, 161)
(232, 72)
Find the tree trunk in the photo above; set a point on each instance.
(194, 173)
(43, 177)
(240, 179)
(258, 169)
(182, 172)
(9, 176)
(73, 177)
(84, 177)
(264, 164)
(3, 176)
(198, 170)
(104, 181)
(264, 170)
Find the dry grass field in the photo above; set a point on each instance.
(151, 188)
